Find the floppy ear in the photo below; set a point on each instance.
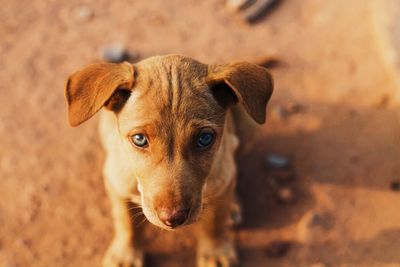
(242, 82)
(90, 89)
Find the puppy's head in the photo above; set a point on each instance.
(170, 114)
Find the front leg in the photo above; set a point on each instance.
(125, 249)
(215, 240)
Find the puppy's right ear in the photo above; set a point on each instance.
(242, 82)
(88, 90)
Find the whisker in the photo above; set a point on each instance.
(134, 208)
(144, 219)
(135, 216)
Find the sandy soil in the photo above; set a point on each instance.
(343, 141)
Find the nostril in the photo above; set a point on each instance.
(173, 218)
(178, 218)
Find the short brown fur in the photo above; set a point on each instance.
(171, 101)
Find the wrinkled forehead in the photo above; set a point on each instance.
(171, 90)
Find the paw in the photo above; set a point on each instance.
(223, 255)
(122, 254)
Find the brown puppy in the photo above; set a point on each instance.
(169, 133)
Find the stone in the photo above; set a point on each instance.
(285, 195)
(236, 5)
(116, 53)
(277, 161)
(278, 113)
(259, 9)
(315, 226)
(283, 112)
(83, 13)
(293, 108)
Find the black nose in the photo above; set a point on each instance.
(173, 217)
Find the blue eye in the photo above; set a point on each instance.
(139, 140)
(205, 139)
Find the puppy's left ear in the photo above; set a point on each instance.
(88, 90)
(242, 82)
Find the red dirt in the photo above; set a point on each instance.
(344, 143)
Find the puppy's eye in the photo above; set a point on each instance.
(139, 140)
(205, 139)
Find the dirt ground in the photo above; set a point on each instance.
(343, 136)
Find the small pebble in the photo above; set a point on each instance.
(278, 113)
(277, 161)
(236, 218)
(277, 249)
(285, 195)
(321, 219)
(395, 186)
(236, 5)
(293, 108)
(260, 9)
(83, 13)
(268, 61)
(314, 227)
(116, 53)
(283, 112)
